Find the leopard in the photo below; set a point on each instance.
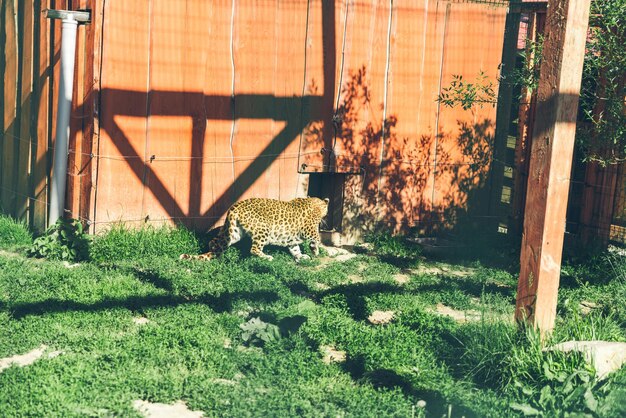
(270, 221)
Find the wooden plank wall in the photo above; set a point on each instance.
(204, 104)
(29, 47)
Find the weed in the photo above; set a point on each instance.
(65, 240)
(257, 332)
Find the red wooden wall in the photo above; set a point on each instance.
(182, 107)
(205, 103)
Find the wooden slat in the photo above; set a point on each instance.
(25, 84)
(288, 75)
(473, 44)
(551, 161)
(40, 122)
(122, 140)
(253, 140)
(361, 110)
(97, 19)
(10, 139)
(218, 170)
(323, 44)
(81, 120)
(88, 114)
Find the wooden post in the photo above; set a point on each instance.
(551, 161)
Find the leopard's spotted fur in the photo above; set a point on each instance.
(270, 221)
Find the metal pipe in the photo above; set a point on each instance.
(66, 85)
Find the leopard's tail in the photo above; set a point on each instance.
(217, 245)
(220, 243)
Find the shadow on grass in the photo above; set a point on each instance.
(354, 294)
(221, 303)
(387, 379)
(469, 287)
(473, 246)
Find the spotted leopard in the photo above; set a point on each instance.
(270, 221)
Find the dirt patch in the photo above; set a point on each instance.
(459, 316)
(29, 358)
(336, 251)
(226, 382)
(381, 317)
(353, 279)
(401, 278)
(141, 320)
(320, 286)
(335, 254)
(161, 410)
(332, 355)
(444, 270)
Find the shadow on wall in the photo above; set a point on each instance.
(450, 169)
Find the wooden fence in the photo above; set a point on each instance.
(183, 107)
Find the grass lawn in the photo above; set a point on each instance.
(240, 336)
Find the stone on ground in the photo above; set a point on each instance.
(161, 410)
(445, 270)
(606, 357)
(586, 307)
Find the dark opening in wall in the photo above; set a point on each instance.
(331, 186)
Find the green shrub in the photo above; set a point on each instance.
(65, 240)
(13, 233)
(538, 382)
(122, 243)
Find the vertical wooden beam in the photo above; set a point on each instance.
(26, 18)
(9, 129)
(526, 119)
(551, 161)
(39, 119)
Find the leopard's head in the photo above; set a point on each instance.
(320, 206)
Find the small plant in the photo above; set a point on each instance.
(569, 391)
(65, 240)
(256, 332)
(13, 233)
(527, 75)
(466, 94)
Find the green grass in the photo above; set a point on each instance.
(13, 234)
(121, 243)
(194, 348)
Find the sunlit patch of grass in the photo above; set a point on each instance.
(192, 345)
(14, 234)
(122, 243)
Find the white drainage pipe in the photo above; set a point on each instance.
(70, 20)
